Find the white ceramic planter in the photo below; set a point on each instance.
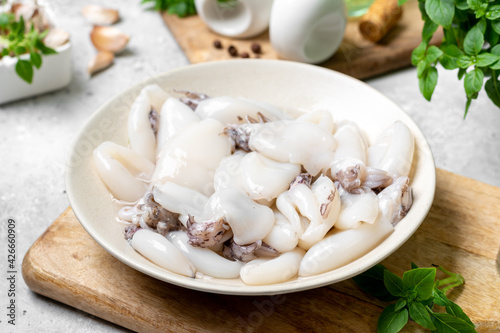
(307, 31)
(247, 18)
(54, 74)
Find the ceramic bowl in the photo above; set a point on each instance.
(286, 84)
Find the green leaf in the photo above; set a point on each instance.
(391, 321)
(401, 2)
(401, 303)
(495, 66)
(485, 59)
(421, 280)
(427, 83)
(394, 284)
(444, 322)
(482, 25)
(418, 53)
(492, 88)
(473, 81)
(428, 30)
(493, 12)
(372, 282)
(25, 70)
(419, 314)
(461, 73)
(496, 50)
(467, 106)
(422, 68)
(5, 19)
(36, 59)
(478, 6)
(433, 54)
(462, 4)
(455, 310)
(421, 7)
(496, 26)
(451, 53)
(474, 41)
(464, 61)
(413, 265)
(491, 36)
(440, 11)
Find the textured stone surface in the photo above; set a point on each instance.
(36, 136)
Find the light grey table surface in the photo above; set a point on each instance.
(36, 136)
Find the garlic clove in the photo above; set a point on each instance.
(99, 15)
(101, 61)
(109, 39)
(56, 37)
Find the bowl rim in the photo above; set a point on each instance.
(249, 290)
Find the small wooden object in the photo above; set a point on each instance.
(461, 232)
(382, 16)
(356, 56)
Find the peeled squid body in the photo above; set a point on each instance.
(179, 199)
(124, 171)
(228, 173)
(249, 221)
(395, 200)
(264, 178)
(356, 209)
(173, 117)
(141, 135)
(205, 260)
(342, 247)
(297, 142)
(230, 110)
(321, 118)
(320, 205)
(280, 269)
(162, 252)
(282, 236)
(191, 157)
(393, 150)
(350, 143)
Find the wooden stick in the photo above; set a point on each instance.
(381, 17)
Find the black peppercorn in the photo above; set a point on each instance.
(217, 44)
(232, 51)
(245, 55)
(256, 48)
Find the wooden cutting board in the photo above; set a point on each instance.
(356, 56)
(461, 232)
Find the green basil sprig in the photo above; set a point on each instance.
(415, 296)
(15, 42)
(471, 44)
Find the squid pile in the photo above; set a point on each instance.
(228, 187)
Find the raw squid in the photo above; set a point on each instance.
(124, 171)
(230, 187)
(162, 252)
(393, 150)
(191, 157)
(280, 269)
(142, 121)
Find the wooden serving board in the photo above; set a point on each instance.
(356, 56)
(461, 232)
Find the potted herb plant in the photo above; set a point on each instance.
(35, 57)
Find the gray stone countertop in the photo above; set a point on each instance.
(36, 136)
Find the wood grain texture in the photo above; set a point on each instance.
(356, 56)
(461, 232)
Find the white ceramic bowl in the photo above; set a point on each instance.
(286, 84)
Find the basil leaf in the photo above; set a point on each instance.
(493, 12)
(496, 26)
(467, 106)
(36, 59)
(433, 54)
(474, 40)
(418, 53)
(444, 322)
(462, 4)
(372, 282)
(421, 280)
(496, 50)
(427, 83)
(401, 303)
(25, 70)
(478, 6)
(461, 73)
(428, 30)
(485, 59)
(401, 2)
(440, 298)
(464, 61)
(457, 311)
(422, 68)
(473, 81)
(391, 321)
(394, 284)
(491, 36)
(495, 66)
(4, 20)
(492, 88)
(440, 11)
(421, 6)
(451, 53)
(482, 25)
(413, 265)
(419, 314)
